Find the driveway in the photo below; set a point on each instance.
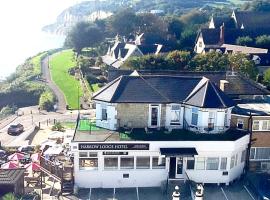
(46, 75)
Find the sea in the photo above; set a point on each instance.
(21, 33)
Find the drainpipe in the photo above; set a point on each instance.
(250, 127)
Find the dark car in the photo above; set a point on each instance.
(259, 183)
(15, 129)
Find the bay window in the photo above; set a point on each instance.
(200, 163)
(211, 120)
(223, 163)
(212, 163)
(158, 162)
(143, 162)
(127, 163)
(111, 163)
(88, 161)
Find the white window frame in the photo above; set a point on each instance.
(211, 119)
(240, 122)
(255, 154)
(111, 168)
(104, 107)
(263, 125)
(175, 123)
(158, 106)
(202, 160)
(195, 113)
(89, 155)
(208, 163)
(222, 162)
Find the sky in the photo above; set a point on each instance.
(20, 33)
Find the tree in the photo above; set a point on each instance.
(212, 61)
(258, 5)
(9, 196)
(188, 37)
(153, 27)
(84, 34)
(244, 41)
(242, 63)
(194, 17)
(263, 41)
(46, 101)
(178, 60)
(266, 77)
(175, 27)
(123, 22)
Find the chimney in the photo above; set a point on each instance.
(223, 85)
(222, 34)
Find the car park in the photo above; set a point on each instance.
(15, 129)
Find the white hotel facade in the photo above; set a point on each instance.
(150, 129)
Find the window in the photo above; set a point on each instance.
(143, 163)
(200, 44)
(265, 125)
(223, 163)
(232, 161)
(240, 124)
(111, 163)
(211, 120)
(104, 114)
(236, 160)
(127, 163)
(88, 162)
(190, 163)
(226, 118)
(83, 154)
(252, 153)
(256, 125)
(194, 118)
(243, 156)
(262, 153)
(265, 166)
(158, 162)
(200, 163)
(212, 163)
(175, 115)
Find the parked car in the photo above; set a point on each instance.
(27, 149)
(15, 129)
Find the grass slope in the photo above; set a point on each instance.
(36, 61)
(60, 63)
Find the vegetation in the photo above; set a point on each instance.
(69, 85)
(244, 41)
(263, 41)
(266, 78)
(47, 101)
(58, 127)
(7, 110)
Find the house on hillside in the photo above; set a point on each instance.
(163, 127)
(122, 50)
(255, 117)
(223, 32)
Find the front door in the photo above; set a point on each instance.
(172, 167)
(154, 116)
(179, 167)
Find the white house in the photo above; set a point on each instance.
(155, 127)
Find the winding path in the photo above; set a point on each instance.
(46, 75)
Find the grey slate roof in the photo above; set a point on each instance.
(238, 84)
(252, 19)
(207, 95)
(162, 89)
(10, 176)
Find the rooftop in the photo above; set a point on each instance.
(256, 109)
(96, 134)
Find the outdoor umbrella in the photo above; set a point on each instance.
(32, 167)
(35, 157)
(10, 165)
(16, 156)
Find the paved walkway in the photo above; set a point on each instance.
(46, 75)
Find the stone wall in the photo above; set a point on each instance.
(132, 115)
(136, 115)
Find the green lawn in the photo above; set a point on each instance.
(94, 87)
(36, 61)
(60, 63)
(86, 125)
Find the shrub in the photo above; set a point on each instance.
(92, 79)
(58, 127)
(8, 110)
(46, 101)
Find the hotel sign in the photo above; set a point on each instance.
(113, 146)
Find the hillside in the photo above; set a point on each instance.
(91, 10)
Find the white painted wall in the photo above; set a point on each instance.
(154, 177)
(199, 49)
(111, 122)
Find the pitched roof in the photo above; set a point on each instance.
(243, 49)
(210, 36)
(207, 95)
(252, 19)
(163, 89)
(227, 21)
(238, 84)
(10, 176)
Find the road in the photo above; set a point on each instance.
(46, 75)
(29, 120)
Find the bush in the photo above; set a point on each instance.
(266, 78)
(244, 41)
(8, 110)
(92, 79)
(46, 101)
(58, 127)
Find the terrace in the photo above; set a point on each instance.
(88, 132)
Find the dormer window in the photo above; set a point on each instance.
(104, 114)
(240, 124)
(200, 44)
(175, 115)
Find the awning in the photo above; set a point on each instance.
(178, 151)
